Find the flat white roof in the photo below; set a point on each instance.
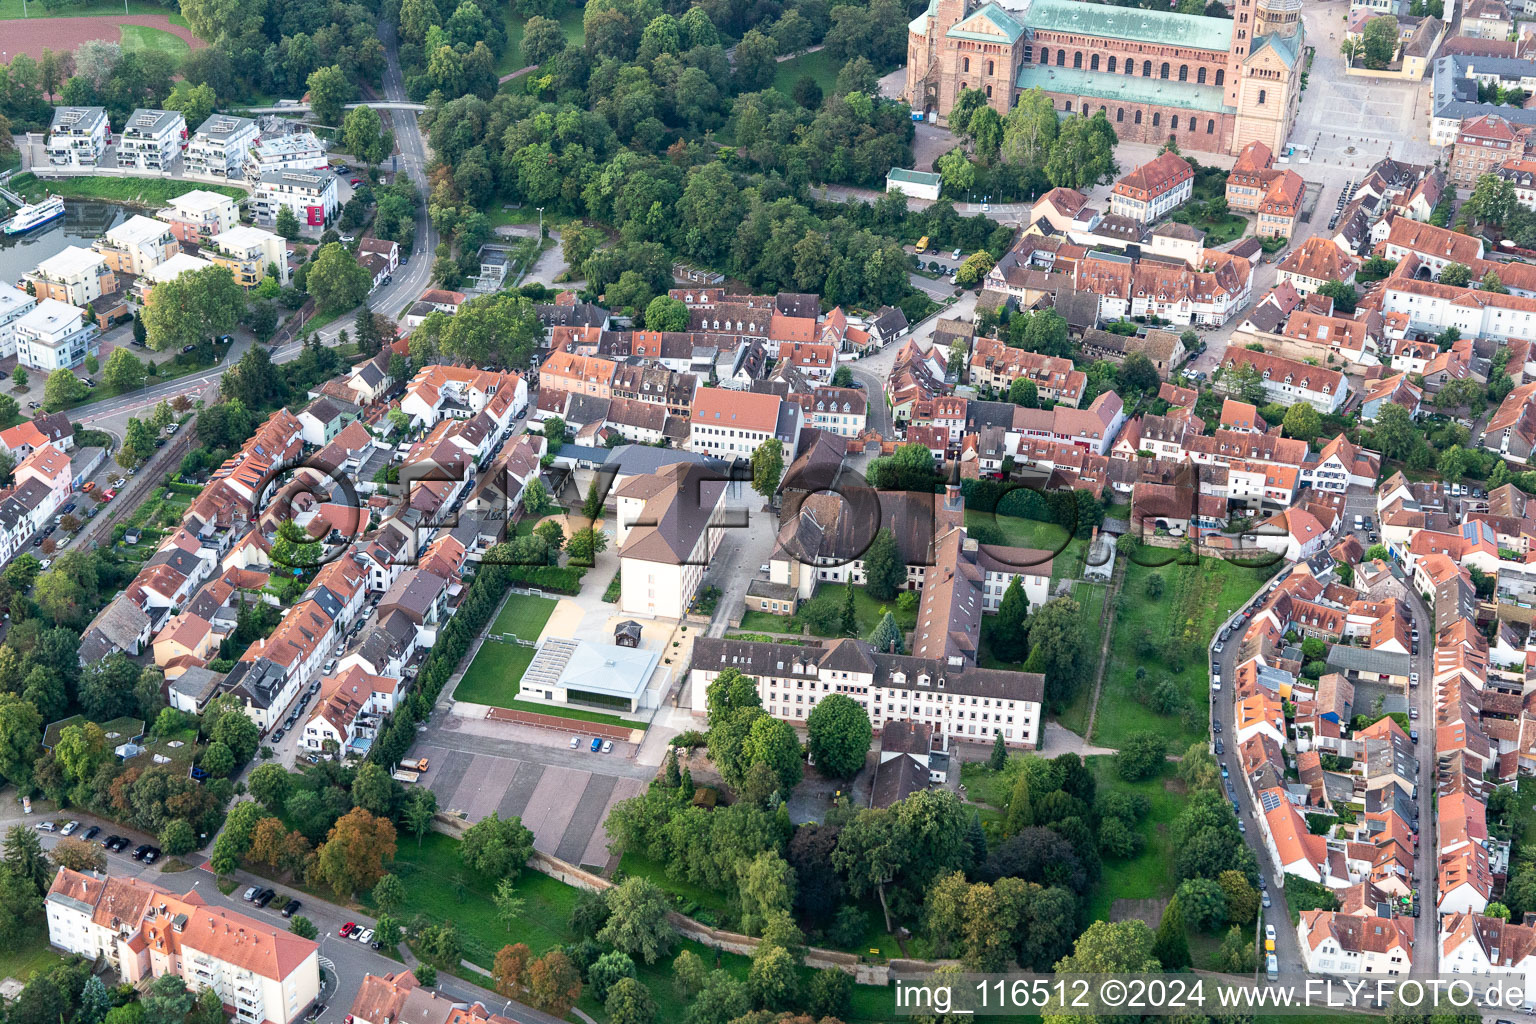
(609, 669)
(13, 298)
(49, 314)
(137, 230)
(72, 262)
(175, 267)
(242, 236)
(200, 201)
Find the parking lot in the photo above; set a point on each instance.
(562, 793)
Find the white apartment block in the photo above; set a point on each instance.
(311, 195)
(264, 972)
(959, 701)
(151, 140)
(249, 253)
(78, 136)
(295, 151)
(221, 146)
(14, 304)
(54, 334)
(198, 215)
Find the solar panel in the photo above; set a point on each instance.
(1269, 801)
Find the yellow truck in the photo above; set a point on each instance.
(922, 245)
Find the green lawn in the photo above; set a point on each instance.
(819, 65)
(1229, 228)
(512, 58)
(1071, 553)
(142, 37)
(29, 954)
(697, 902)
(867, 610)
(439, 886)
(145, 191)
(1091, 597)
(34, 9)
(524, 615)
(498, 668)
(495, 674)
(1150, 873)
(1195, 600)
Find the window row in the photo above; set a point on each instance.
(1113, 66)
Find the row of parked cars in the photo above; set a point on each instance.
(606, 746)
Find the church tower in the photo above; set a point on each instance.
(1277, 17)
(1243, 22)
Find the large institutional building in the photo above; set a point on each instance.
(1212, 84)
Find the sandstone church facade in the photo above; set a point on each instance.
(1211, 84)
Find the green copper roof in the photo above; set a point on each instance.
(1131, 23)
(998, 17)
(1285, 46)
(1125, 88)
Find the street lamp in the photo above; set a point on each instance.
(541, 223)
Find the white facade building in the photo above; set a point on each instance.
(54, 334)
(221, 146)
(78, 136)
(151, 140)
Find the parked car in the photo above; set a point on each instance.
(575, 742)
(347, 929)
(291, 908)
(364, 936)
(141, 850)
(151, 855)
(69, 828)
(1264, 898)
(252, 893)
(90, 485)
(1221, 748)
(91, 833)
(47, 826)
(608, 746)
(120, 845)
(110, 843)
(264, 897)
(597, 745)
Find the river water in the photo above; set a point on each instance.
(83, 222)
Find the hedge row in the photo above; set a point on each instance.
(453, 642)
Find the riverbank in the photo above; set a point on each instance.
(149, 192)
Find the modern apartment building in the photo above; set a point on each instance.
(78, 136)
(296, 151)
(137, 245)
(199, 215)
(14, 303)
(152, 139)
(263, 973)
(75, 275)
(54, 334)
(221, 146)
(249, 253)
(311, 195)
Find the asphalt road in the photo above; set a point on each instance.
(344, 961)
(1223, 713)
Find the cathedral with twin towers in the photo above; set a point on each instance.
(1209, 84)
